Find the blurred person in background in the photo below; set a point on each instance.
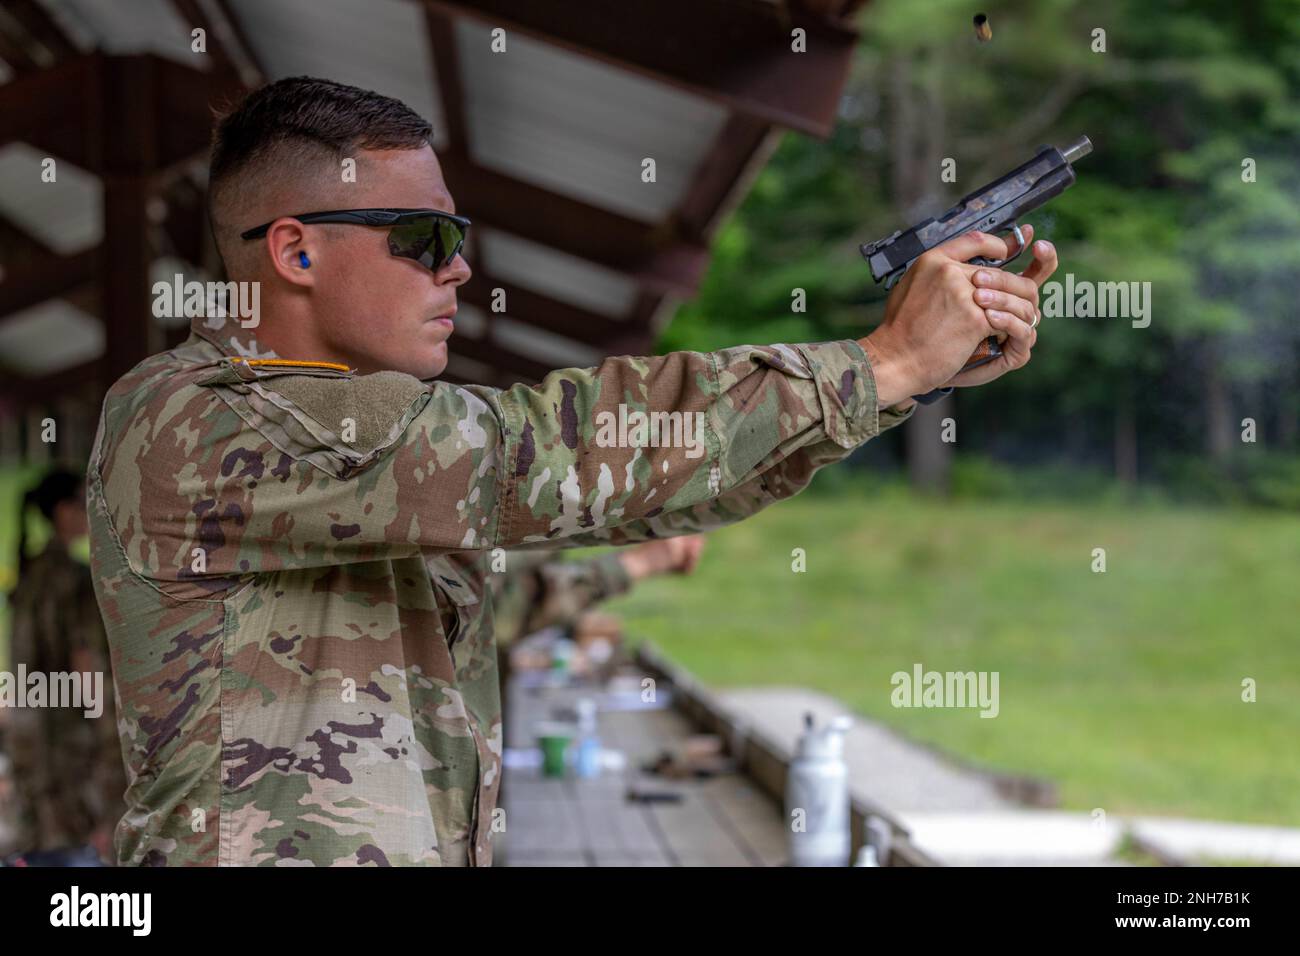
(538, 589)
(67, 768)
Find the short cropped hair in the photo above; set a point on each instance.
(292, 126)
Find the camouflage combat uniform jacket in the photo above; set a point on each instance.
(67, 766)
(289, 560)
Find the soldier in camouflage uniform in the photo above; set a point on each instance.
(536, 590)
(67, 767)
(292, 523)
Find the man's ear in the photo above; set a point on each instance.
(291, 252)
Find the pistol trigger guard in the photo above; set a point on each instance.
(999, 263)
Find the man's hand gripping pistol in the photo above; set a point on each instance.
(994, 208)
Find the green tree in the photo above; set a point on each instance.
(1175, 96)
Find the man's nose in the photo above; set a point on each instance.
(455, 273)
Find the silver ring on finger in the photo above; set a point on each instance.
(1038, 316)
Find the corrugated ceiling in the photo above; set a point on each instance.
(538, 113)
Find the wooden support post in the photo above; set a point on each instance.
(128, 143)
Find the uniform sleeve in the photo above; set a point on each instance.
(784, 480)
(235, 473)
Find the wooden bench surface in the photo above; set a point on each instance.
(720, 821)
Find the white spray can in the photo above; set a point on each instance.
(817, 796)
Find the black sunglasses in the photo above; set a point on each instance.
(429, 236)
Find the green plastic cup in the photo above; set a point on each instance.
(554, 741)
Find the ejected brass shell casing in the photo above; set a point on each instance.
(983, 32)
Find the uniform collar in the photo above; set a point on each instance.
(230, 337)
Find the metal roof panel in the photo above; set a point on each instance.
(67, 214)
(50, 337)
(382, 45)
(580, 127)
(557, 274)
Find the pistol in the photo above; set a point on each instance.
(994, 208)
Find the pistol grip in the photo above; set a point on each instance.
(987, 351)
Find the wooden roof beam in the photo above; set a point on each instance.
(14, 49)
(490, 353)
(40, 280)
(451, 90)
(34, 273)
(738, 152)
(66, 92)
(41, 28)
(78, 378)
(28, 101)
(653, 257)
(225, 42)
(737, 54)
(542, 311)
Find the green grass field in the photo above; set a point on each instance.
(1125, 687)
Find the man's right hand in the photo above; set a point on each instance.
(933, 322)
(663, 556)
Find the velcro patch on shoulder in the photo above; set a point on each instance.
(337, 421)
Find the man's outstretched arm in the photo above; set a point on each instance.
(303, 470)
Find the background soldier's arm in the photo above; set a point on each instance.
(554, 591)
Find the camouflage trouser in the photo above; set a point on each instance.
(57, 784)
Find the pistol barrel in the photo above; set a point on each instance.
(1080, 148)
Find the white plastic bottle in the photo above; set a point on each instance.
(587, 762)
(817, 796)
